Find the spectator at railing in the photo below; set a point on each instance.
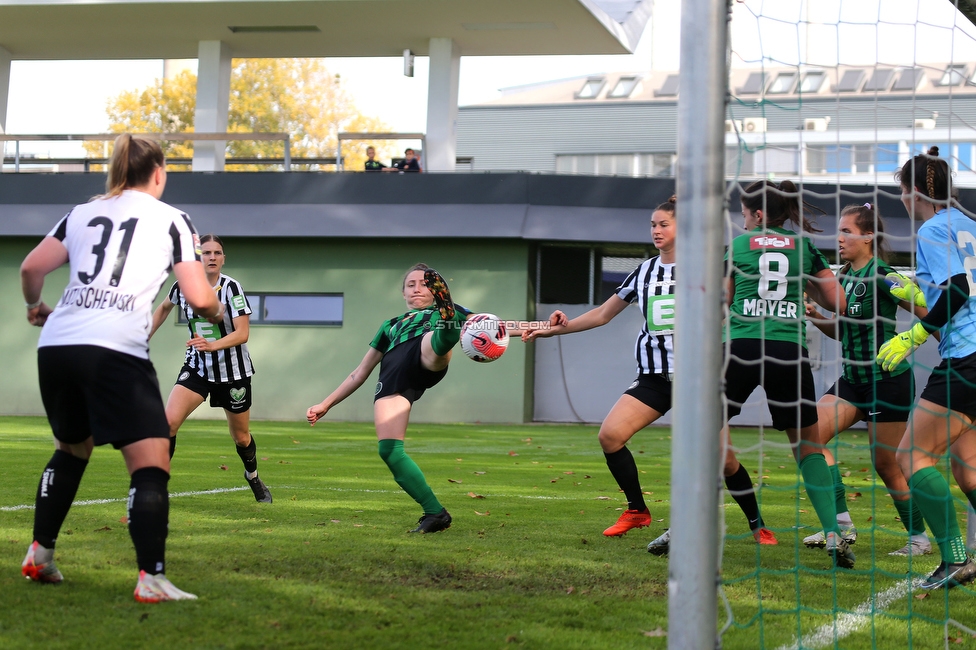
(371, 164)
(409, 163)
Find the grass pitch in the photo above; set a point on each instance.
(330, 565)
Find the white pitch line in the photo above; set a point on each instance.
(92, 502)
(174, 495)
(851, 622)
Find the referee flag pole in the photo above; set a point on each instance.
(693, 569)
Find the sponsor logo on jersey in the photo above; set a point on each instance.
(854, 309)
(197, 246)
(632, 386)
(771, 241)
(237, 302)
(237, 395)
(379, 387)
(184, 375)
(860, 289)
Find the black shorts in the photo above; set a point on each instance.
(91, 391)
(233, 396)
(653, 391)
(885, 400)
(952, 384)
(783, 370)
(401, 372)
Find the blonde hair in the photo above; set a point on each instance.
(133, 162)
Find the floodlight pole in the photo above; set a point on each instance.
(693, 569)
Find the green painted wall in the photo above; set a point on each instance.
(298, 366)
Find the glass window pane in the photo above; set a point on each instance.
(887, 157)
(623, 88)
(812, 82)
(783, 84)
(295, 309)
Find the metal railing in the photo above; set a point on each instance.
(384, 136)
(171, 137)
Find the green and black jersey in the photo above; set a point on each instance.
(769, 270)
(868, 323)
(412, 324)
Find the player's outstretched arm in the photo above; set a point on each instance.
(197, 291)
(161, 314)
(46, 256)
(824, 288)
(348, 386)
(596, 317)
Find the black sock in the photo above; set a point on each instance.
(249, 455)
(172, 446)
(740, 487)
(624, 470)
(149, 517)
(55, 492)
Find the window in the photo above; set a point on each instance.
(909, 79)
(669, 88)
(880, 80)
(565, 275)
(954, 75)
(851, 81)
(812, 82)
(613, 271)
(318, 309)
(621, 164)
(782, 84)
(753, 85)
(591, 88)
(772, 160)
(624, 88)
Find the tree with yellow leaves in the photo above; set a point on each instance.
(295, 96)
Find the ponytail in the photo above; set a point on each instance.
(930, 176)
(132, 164)
(779, 204)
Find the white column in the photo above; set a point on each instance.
(213, 100)
(442, 105)
(5, 59)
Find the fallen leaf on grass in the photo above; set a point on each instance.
(335, 521)
(568, 472)
(587, 476)
(98, 530)
(223, 467)
(483, 514)
(657, 632)
(802, 510)
(124, 520)
(554, 480)
(527, 440)
(847, 473)
(765, 476)
(284, 462)
(480, 473)
(513, 453)
(921, 596)
(570, 590)
(451, 480)
(459, 460)
(603, 498)
(357, 525)
(476, 496)
(296, 441)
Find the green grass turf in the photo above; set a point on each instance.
(329, 564)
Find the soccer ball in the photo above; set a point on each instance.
(484, 337)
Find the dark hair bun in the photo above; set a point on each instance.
(934, 151)
(673, 200)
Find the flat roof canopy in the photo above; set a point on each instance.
(171, 29)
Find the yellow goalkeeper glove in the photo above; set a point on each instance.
(900, 346)
(902, 287)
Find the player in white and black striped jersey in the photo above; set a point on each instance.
(651, 286)
(217, 363)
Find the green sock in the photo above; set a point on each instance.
(446, 334)
(840, 492)
(820, 490)
(408, 475)
(911, 516)
(931, 492)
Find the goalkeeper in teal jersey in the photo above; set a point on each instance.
(770, 267)
(865, 391)
(946, 411)
(413, 351)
